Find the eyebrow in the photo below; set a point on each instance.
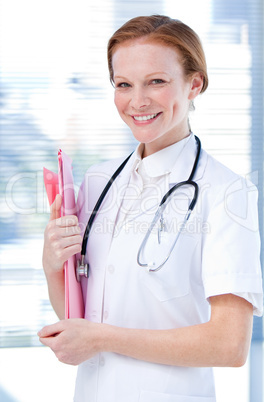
(148, 75)
(119, 76)
(157, 73)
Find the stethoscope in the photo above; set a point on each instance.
(82, 268)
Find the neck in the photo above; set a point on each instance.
(153, 147)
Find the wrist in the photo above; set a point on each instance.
(54, 277)
(49, 269)
(108, 338)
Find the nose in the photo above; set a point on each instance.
(139, 98)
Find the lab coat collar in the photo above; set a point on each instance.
(160, 162)
(181, 169)
(184, 163)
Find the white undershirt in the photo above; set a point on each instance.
(149, 180)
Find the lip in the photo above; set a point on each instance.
(145, 122)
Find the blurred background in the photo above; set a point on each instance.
(55, 93)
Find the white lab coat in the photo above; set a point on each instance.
(217, 253)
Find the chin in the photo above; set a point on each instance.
(145, 138)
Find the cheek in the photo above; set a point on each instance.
(168, 99)
(180, 109)
(116, 99)
(119, 102)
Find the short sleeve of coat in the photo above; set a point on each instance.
(231, 248)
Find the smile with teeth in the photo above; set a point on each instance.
(146, 117)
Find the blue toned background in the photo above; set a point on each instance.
(55, 93)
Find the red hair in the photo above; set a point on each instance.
(170, 32)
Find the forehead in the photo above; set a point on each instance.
(140, 54)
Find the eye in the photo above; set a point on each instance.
(157, 81)
(122, 85)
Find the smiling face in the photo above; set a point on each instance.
(152, 94)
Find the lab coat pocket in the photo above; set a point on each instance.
(147, 396)
(172, 280)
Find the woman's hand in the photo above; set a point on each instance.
(73, 341)
(62, 239)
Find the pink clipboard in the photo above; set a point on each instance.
(62, 183)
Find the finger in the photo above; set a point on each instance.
(49, 341)
(56, 228)
(56, 231)
(61, 227)
(69, 231)
(62, 238)
(56, 207)
(68, 241)
(51, 330)
(63, 254)
(67, 221)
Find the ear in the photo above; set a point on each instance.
(196, 85)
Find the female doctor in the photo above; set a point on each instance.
(164, 302)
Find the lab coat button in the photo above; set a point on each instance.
(111, 269)
(102, 361)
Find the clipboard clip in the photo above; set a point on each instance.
(82, 269)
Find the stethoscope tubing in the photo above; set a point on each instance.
(158, 214)
(82, 268)
(98, 204)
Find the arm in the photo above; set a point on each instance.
(222, 341)
(61, 240)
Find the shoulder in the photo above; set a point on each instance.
(221, 178)
(217, 171)
(227, 193)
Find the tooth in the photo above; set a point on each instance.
(144, 118)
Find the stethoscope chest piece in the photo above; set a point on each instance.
(82, 269)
